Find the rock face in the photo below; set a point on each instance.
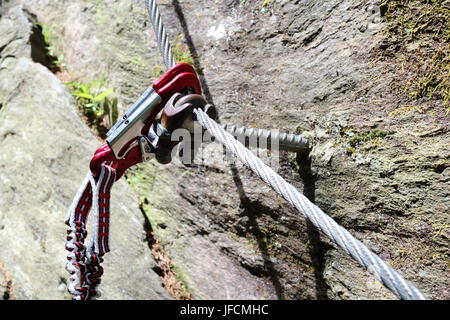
(304, 66)
(44, 152)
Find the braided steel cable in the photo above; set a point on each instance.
(355, 248)
(288, 142)
(161, 35)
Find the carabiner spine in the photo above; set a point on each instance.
(131, 126)
(130, 111)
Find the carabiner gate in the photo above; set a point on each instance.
(122, 147)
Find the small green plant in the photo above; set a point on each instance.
(59, 61)
(46, 33)
(48, 36)
(182, 53)
(101, 111)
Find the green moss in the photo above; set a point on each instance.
(136, 60)
(406, 110)
(351, 150)
(440, 229)
(47, 32)
(147, 180)
(417, 36)
(364, 136)
(432, 78)
(233, 236)
(181, 51)
(157, 71)
(96, 3)
(183, 277)
(413, 18)
(182, 54)
(49, 37)
(143, 179)
(265, 3)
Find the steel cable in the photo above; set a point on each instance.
(161, 35)
(355, 248)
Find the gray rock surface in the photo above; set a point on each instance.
(44, 154)
(304, 66)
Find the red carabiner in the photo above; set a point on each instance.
(178, 78)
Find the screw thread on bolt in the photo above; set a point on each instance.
(286, 141)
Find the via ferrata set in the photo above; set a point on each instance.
(143, 133)
(134, 138)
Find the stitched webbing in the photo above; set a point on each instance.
(84, 261)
